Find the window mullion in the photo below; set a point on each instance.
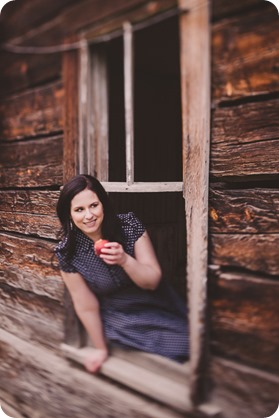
(129, 100)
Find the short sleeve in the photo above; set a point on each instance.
(64, 264)
(132, 226)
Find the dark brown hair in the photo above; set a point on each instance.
(111, 227)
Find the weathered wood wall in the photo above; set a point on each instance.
(37, 151)
(244, 208)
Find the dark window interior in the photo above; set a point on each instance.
(158, 140)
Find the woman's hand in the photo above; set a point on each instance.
(113, 253)
(95, 359)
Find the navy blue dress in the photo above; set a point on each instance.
(148, 320)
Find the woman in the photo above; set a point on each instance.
(119, 296)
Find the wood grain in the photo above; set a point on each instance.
(242, 139)
(222, 9)
(16, 20)
(259, 253)
(31, 163)
(243, 391)
(26, 263)
(29, 212)
(38, 202)
(19, 72)
(33, 113)
(249, 159)
(195, 94)
(245, 123)
(71, 112)
(35, 318)
(244, 315)
(234, 211)
(245, 54)
(38, 377)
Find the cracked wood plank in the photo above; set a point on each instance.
(244, 314)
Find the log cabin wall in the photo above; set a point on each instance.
(244, 204)
(244, 208)
(36, 380)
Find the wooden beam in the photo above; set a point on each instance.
(70, 71)
(129, 100)
(195, 83)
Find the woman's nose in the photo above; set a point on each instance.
(89, 213)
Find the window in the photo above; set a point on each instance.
(141, 116)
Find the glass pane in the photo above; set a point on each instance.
(157, 103)
(117, 165)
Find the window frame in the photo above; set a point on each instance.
(194, 25)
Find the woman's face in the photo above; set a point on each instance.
(87, 214)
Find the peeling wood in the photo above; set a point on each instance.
(254, 211)
(244, 315)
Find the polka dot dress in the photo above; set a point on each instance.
(148, 320)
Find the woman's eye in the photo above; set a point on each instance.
(94, 205)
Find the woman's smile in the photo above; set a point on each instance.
(87, 213)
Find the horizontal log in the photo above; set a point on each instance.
(245, 56)
(34, 318)
(30, 70)
(258, 253)
(34, 113)
(19, 71)
(26, 263)
(29, 212)
(243, 210)
(36, 225)
(44, 382)
(38, 202)
(221, 8)
(15, 20)
(244, 313)
(31, 163)
(246, 159)
(245, 123)
(243, 391)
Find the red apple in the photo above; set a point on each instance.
(98, 245)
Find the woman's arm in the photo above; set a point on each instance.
(144, 269)
(87, 309)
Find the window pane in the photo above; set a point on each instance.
(117, 166)
(157, 104)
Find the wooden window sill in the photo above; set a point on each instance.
(151, 376)
(157, 377)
